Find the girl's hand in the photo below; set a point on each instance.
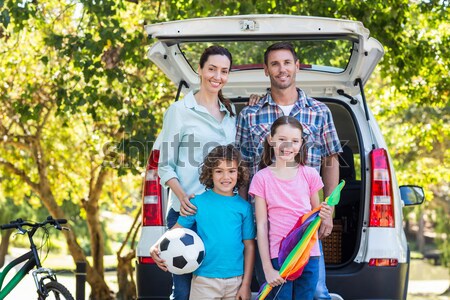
(273, 278)
(154, 252)
(326, 214)
(187, 208)
(253, 99)
(244, 293)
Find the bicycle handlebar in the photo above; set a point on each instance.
(19, 223)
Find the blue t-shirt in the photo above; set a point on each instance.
(223, 222)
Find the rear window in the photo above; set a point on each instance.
(330, 56)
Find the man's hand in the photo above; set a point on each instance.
(154, 252)
(326, 214)
(187, 208)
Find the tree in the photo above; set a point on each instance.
(76, 88)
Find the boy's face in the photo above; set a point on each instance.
(224, 177)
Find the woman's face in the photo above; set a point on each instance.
(214, 74)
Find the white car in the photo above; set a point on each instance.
(367, 256)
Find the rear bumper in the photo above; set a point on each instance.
(360, 281)
(152, 282)
(354, 281)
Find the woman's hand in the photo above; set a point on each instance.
(154, 252)
(326, 214)
(273, 278)
(187, 208)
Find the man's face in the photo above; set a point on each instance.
(281, 68)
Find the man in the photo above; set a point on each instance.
(284, 98)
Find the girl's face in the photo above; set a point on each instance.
(214, 74)
(225, 177)
(286, 142)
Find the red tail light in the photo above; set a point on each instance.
(146, 260)
(151, 196)
(381, 201)
(383, 262)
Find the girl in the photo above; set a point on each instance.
(285, 189)
(225, 224)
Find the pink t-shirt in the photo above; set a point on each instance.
(286, 201)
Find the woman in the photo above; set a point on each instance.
(192, 127)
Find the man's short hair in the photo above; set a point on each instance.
(280, 46)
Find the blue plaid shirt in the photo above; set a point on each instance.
(253, 124)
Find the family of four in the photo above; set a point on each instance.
(282, 142)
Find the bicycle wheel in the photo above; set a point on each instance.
(56, 291)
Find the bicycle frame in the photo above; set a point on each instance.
(32, 260)
(27, 267)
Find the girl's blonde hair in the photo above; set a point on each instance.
(212, 160)
(268, 155)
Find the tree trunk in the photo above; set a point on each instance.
(96, 236)
(4, 246)
(125, 274)
(420, 237)
(127, 286)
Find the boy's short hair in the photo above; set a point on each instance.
(220, 153)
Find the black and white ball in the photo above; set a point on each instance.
(182, 249)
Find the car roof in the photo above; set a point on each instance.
(340, 51)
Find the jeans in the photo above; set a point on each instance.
(181, 283)
(321, 289)
(303, 288)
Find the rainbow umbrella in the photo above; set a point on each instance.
(296, 246)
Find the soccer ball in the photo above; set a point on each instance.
(182, 249)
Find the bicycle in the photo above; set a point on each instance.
(45, 279)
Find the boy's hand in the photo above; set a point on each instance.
(325, 214)
(154, 252)
(273, 278)
(244, 293)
